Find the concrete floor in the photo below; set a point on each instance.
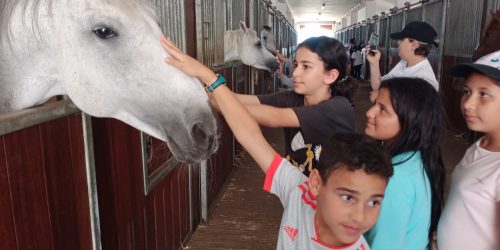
(246, 217)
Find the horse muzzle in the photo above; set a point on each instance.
(194, 143)
(273, 66)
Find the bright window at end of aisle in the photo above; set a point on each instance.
(313, 29)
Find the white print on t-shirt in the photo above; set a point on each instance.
(298, 142)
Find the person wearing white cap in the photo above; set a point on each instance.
(415, 42)
(471, 216)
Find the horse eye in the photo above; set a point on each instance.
(104, 32)
(265, 38)
(258, 44)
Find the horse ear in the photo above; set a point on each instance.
(243, 26)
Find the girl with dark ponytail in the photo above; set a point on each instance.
(319, 106)
(408, 118)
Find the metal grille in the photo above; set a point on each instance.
(462, 34)
(371, 27)
(357, 32)
(396, 25)
(433, 14)
(235, 14)
(413, 15)
(383, 36)
(262, 15)
(493, 5)
(364, 35)
(276, 31)
(172, 22)
(213, 19)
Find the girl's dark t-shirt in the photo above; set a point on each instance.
(317, 125)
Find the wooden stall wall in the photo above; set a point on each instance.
(43, 187)
(131, 219)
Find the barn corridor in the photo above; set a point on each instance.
(246, 217)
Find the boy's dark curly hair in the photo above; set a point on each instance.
(354, 152)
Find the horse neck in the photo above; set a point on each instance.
(28, 72)
(232, 39)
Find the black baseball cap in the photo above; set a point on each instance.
(420, 31)
(488, 65)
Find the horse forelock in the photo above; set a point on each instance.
(32, 6)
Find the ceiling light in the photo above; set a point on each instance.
(323, 6)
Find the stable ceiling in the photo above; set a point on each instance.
(308, 10)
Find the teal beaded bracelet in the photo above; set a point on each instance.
(220, 80)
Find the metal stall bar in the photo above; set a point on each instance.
(462, 43)
(212, 19)
(14, 121)
(91, 181)
(435, 13)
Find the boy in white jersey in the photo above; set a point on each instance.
(337, 203)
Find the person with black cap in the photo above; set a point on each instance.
(415, 42)
(471, 215)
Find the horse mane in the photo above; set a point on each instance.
(7, 8)
(489, 42)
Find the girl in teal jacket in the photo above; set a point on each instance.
(408, 118)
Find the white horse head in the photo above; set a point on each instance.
(267, 38)
(244, 45)
(106, 56)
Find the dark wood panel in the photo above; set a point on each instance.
(451, 95)
(64, 167)
(80, 181)
(129, 219)
(7, 232)
(118, 166)
(28, 190)
(190, 13)
(184, 199)
(168, 220)
(46, 196)
(174, 206)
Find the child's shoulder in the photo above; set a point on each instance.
(407, 163)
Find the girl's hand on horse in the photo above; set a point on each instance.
(186, 63)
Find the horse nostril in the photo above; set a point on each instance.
(199, 133)
(202, 138)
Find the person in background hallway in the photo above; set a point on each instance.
(357, 61)
(415, 42)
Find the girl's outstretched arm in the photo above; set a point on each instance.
(244, 127)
